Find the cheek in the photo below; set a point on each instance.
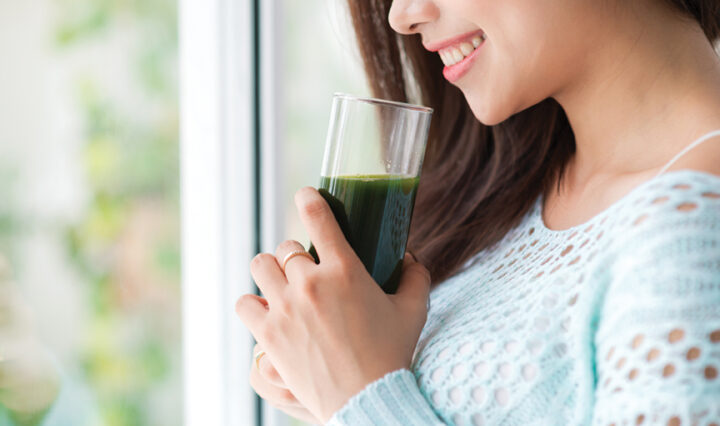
(527, 60)
(498, 88)
(516, 75)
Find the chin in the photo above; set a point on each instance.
(488, 109)
(487, 112)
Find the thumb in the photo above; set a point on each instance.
(414, 286)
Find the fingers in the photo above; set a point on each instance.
(267, 275)
(296, 263)
(280, 398)
(252, 310)
(414, 282)
(276, 395)
(269, 385)
(320, 223)
(267, 369)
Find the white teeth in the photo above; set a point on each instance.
(456, 55)
(444, 56)
(453, 55)
(466, 48)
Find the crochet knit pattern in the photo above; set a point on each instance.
(614, 321)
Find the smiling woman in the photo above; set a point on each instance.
(568, 214)
(511, 130)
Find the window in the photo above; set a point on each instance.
(258, 82)
(148, 150)
(89, 218)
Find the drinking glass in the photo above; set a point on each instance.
(370, 173)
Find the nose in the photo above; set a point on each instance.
(406, 16)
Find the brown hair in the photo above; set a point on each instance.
(477, 181)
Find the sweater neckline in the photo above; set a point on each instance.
(602, 215)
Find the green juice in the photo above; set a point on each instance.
(374, 213)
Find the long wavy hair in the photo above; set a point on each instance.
(477, 181)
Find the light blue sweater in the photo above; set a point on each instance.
(615, 321)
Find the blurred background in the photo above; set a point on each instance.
(90, 283)
(89, 218)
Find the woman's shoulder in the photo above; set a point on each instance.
(689, 184)
(668, 220)
(692, 184)
(678, 196)
(663, 244)
(702, 158)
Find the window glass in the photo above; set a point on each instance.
(321, 58)
(90, 329)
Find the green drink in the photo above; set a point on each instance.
(374, 213)
(369, 177)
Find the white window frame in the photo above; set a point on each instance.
(272, 126)
(217, 206)
(225, 205)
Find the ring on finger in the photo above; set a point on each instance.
(257, 359)
(293, 254)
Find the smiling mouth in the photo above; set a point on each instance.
(454, 54)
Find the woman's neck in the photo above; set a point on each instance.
(649, 86)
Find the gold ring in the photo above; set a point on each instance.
(296, 253)
(257, 359)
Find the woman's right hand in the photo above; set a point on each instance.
(270, 386)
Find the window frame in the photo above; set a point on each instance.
(271, 124)
(231, 195)
(217, 207)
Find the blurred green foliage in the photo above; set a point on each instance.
(127, 243)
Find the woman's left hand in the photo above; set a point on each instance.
(329, 328)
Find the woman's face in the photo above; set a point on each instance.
(527, 50)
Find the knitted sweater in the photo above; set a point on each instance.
(614, 321)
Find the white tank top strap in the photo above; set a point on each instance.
(695, 143)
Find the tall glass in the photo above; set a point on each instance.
(370, 173)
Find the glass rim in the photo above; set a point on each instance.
(378, 101)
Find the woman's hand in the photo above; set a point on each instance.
(329, 328)
(270, 386)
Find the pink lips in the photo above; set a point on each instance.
(454, 72)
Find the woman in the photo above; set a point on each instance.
(568, 213)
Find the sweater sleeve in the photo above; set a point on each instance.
(657, 344)
(394, 399)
